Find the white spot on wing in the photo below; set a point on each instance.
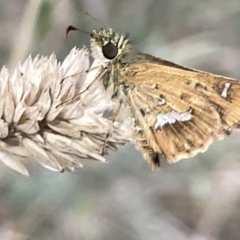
(161, 101)
(154, 86)
(172, 117)
(225, 90)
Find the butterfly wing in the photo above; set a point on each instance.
(180, 111)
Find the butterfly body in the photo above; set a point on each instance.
(178, 111)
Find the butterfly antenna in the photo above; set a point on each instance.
(93, 18)
(72, 28)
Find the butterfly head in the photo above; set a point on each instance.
(108, 46)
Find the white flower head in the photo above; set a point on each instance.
(55, 113)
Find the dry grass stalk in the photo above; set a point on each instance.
(40, 119)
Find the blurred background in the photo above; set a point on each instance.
(195, 199)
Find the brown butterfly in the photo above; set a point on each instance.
(178, 111)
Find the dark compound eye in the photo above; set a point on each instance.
(110, 51)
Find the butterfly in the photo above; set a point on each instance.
(177, 111)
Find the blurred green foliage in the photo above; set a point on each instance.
(44, 20)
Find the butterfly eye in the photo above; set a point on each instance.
(110, 51)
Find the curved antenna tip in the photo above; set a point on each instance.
(70, 28)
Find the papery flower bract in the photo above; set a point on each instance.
(52, 112)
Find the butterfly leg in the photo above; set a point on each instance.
(100, 74)
(114, 118)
